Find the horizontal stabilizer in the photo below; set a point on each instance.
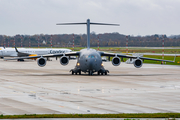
(86, 23)
(105, 24)
(70, 23)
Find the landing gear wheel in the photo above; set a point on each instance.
(76, 73)
(72, 72)
(90, 73)
(102, 73)
(105, 73)
(98, 73)
(79, 72)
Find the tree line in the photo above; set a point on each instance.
(80, 40)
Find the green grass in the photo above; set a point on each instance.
(171, 58)
(123, 115)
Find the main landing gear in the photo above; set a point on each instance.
(75, 71)
(20, 60)
(103, 72)
(78, 71)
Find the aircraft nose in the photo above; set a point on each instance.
(90, 64)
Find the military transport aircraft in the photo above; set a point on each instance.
(89, 60)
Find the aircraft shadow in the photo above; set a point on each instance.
(95, 75)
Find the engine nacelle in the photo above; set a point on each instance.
(64, 60)
(116, 61)
(41, 62)
(138, 63)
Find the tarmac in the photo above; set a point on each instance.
(27, 88)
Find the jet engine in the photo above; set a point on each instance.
(138, 63)
(41, 62)
(116, 61)
(64, 60)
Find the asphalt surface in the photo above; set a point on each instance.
(27, 88)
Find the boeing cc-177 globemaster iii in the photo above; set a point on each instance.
(89, 60)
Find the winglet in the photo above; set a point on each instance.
(174, 58)
(16, 50)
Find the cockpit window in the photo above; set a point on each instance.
(92, 56)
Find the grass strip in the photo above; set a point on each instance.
(123, 115)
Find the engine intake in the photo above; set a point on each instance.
(64, 60)
(116, 61)
(41, 62)
(138, 63)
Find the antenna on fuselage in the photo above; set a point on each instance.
(88, 28)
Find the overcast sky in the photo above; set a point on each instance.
(136, 17)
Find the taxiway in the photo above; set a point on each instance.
(27, 88)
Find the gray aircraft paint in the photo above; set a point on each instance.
(89, 60)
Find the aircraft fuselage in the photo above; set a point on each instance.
(89, 61)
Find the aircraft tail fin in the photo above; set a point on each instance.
(21, 54)
(88, 28)
(16, 50)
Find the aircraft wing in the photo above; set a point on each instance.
(47, 56)
(133, 57)
(157, 54)
(115, 54)
(144, 58)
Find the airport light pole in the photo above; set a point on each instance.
(29, 42)
(162, 48)
(14, 42)
(8, 41)
(126, 45)
(51, 41)
(73, 41)
(38, 41)
(4, 40)
(21, 41)
(98, 43)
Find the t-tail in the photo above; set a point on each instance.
(88, 28)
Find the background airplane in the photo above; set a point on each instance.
(22, 52)
(89, 60)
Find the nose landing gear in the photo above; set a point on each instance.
(90, 72)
